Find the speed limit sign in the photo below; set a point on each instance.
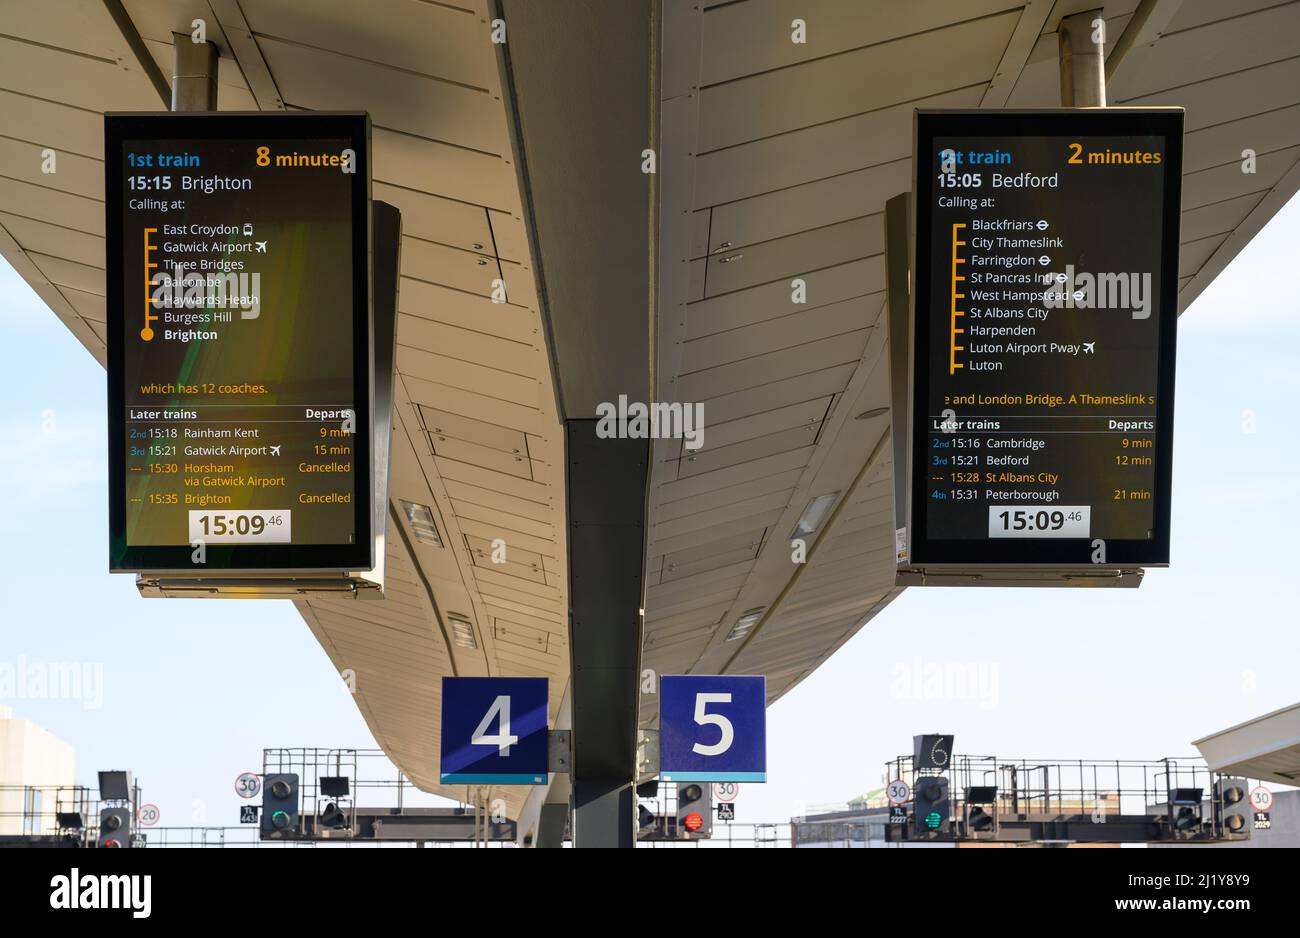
(725, 792)
(148, 815)
(898, 792)
(248, 785)
(1261, 799)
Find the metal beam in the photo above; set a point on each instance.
(243, 48)
(134, 41)
(544, 816)
(552, 822)
(1083, 63)
(606, 481)
(437, 824)
(1032, 20)
(898, 297)
(194, 74)
(1144, 28)
(582, 84)
(1077, 828)
(582, 93)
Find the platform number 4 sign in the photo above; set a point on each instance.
(500, 713)
(494, 731)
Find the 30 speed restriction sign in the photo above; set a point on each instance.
(1261, 799)
(725, 792)
(898, 792)
(248, 785)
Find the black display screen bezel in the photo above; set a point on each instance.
(1166, 123)
(268, 558)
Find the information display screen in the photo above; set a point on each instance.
(1043, 355)
(239, 341)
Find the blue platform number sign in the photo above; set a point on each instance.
(712, 728)
(494, 731)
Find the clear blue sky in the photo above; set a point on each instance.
(194, 689)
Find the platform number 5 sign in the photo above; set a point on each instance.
(727, 734)
(712, 728)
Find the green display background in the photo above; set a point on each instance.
(300, 348)
(1111, 218)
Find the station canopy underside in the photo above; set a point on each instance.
(782, 153)
(1266, 748)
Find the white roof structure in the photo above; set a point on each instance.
(783, 153)
(1266, 747)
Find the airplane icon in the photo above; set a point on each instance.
(275, 451)
(261, 246)
(1088, 348)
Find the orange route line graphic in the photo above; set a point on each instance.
(953, 347)
(149, 316)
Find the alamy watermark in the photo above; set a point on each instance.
(53, 680)
(190, 298)
(1072, 290)
(658, 421)
(946, 680)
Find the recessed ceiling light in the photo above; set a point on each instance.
(813, 515)
(422, 524)
(462, 630)
(745, 624)
(874, 412)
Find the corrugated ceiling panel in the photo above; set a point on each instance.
(438, 39)
(808, 206)
(1233, 44)
(770, 300)
(744, 39)
(794, 254)
(92, 83)
(413, 102)
(816, 152)
(854, 82)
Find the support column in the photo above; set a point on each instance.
(194, 74)
(1083, 61)
(581, 90)
(606, 495)
(544, 817)
(551, 823)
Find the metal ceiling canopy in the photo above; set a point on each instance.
(1267, 747)
(779, 154)
(581, 84)
(782, 152)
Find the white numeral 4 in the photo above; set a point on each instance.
(503, 740)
